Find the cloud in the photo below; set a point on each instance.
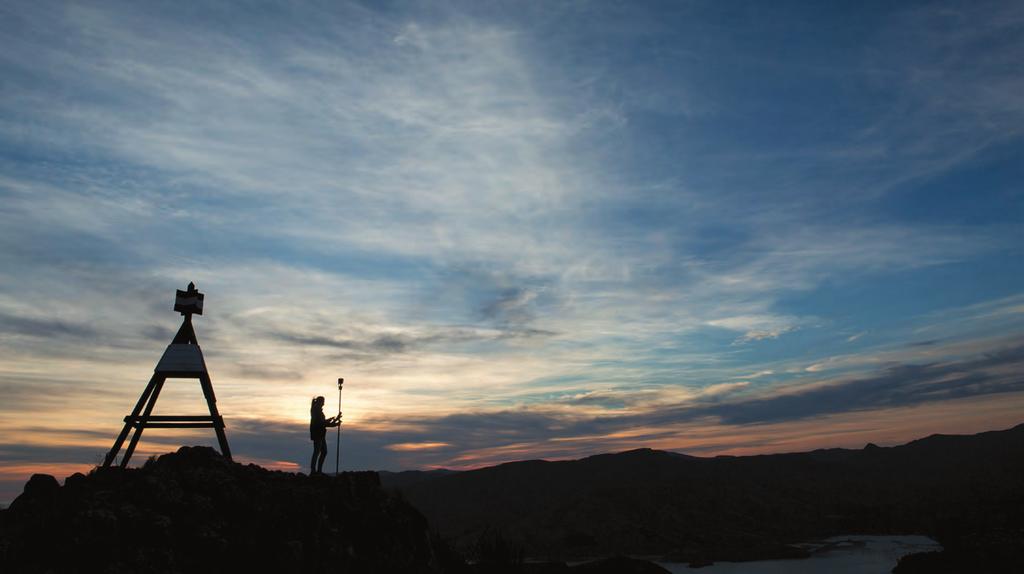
(758, 327)
(724, 388)
(417, 446)
(896, 386)
(411, 340)
(44, 327)
(856, 336)
(482, 434)
(465, 210)
(270, 372)
(475, 438)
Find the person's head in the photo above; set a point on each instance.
(318, 403)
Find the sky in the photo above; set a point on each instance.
(517, 229)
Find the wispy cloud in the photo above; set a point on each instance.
(484, 217)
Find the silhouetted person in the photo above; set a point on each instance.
(318, 433)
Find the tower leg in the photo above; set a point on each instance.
(145, 415)
(218, 422)
(128, 425)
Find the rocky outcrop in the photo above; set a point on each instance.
(194, 511)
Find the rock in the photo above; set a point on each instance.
(74, 480)
(194, 511)
(41, 485)
(37, 496)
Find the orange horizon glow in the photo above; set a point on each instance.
(888, 427)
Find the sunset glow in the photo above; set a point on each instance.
(546, 232)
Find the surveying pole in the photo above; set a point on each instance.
(337, 442)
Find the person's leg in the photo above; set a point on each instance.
(316, 455)
(323, 455)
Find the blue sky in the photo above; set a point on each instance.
(538, 229)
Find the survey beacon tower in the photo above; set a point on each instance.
(183, 359)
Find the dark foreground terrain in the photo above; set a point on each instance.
(193, 511)
(965, 491)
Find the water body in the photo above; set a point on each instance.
(836, 555)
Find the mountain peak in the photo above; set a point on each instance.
(195, 511)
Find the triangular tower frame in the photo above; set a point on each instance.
(183, 359)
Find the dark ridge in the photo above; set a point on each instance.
(409, 477)
(194, 511)
(644, 502)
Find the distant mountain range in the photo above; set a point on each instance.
(408, 477)
(967, 491)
